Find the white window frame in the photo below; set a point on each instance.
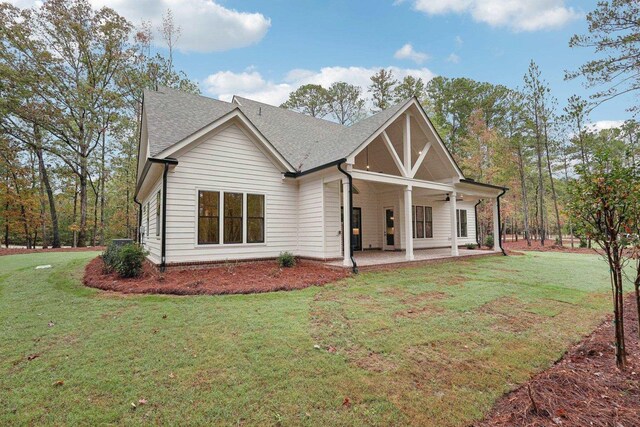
(221, 243)
(459, 224)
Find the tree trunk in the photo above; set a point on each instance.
(83, 178)
(101, 187)
(55, 243)
(541, 225)
(525, 202)
(75, 214)
(553, 187)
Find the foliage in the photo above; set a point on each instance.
(286, 260)
(309, 99)
(345, 102)
(381, 89)
(130, 259)
(110, 257)
(614, 34)
(470, 246)
(488, 241)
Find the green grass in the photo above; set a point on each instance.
(435, 345)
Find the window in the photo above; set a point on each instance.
(461, 217)
(208, 217)
(147, 231)
(422, 222)
(233, 218)
(158, 214)
(255, 218)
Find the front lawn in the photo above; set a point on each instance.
(433, 345)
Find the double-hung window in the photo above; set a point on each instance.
(240, 224)
(461, 217)
(422, 222)
(158, 198)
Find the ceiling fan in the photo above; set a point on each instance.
(448, 198)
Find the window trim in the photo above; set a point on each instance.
(221, 245)
(247, 218)
(459, 224)
(197, 227)
(414, 220)
(243, 217)
(158, 203)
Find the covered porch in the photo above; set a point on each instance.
(374, 258)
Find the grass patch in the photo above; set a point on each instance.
(432, 345)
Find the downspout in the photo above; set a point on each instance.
(504, 190)
(135, 200)
(163, 241)
(350, 178)
(475, 212)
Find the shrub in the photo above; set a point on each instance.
(286, 259)
(488, 241)
(130, 260)
(110, 257)
(583, 243)
(470, 246)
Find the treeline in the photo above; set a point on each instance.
(71, 82)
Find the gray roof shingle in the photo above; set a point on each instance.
(305, 142)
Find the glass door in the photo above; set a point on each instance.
(389, 229)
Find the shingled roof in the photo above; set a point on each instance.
(305, 142)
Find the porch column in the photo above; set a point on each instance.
(454, 224)
(408, 223)
(496, 226)
(346, 226)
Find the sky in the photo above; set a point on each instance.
(265, 49)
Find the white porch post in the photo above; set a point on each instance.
(496, 227)
(454, 224)
(346, 226)
(408, 223)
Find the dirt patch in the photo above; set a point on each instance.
(242, 278)
(374, 362)
(510, 314)
(20, 251)
(424, 297)
(584, 388)
(549, 246)
(414, 312)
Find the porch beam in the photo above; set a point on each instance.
(408, 224)
(454, 223)
(420, 159)
(398, 180)
(394, 154)
(406, 142)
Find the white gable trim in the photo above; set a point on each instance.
(234, 114)
(425, 119)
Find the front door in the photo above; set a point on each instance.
(389, 239)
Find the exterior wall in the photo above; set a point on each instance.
(367, 200)
(442, 224)
(332, 220)
(229, 160)
(310, 239)
(150, 241)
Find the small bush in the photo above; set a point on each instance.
(286, 259)
(110, 257)
(583, 243)
(130, 259)
(488, 241)
(470, 246)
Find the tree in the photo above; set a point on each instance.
(345, 102)
(382, 89)
(408, 88)
(309, 99)
(602, 203)
(575, 116)
(170, 34)
(614, 32)
(76, 53)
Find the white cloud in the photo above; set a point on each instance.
(604, 124)
(408, 52)
(519, 15)
(453, 58)
(205, 25)
(459, 41)
(251, 84)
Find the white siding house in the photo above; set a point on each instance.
(220, 181)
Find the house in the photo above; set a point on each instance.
(243, 180)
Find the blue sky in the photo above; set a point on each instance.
(264, 49)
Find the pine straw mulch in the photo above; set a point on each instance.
(550, 246)
(20, 251)
(584, 388)
(232, 278)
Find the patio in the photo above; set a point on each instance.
(375, 258)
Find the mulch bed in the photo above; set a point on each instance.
(550, 246)
(240, 278)
(584, 388)
(19, 251)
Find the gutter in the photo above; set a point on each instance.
(504, 190)
(350, 178)
(317, 168)
(475, 210)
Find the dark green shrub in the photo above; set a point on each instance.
(286, 259)
(583, 243)
(130, 260)
(470, 246)
(110, 257)
(488, 241)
